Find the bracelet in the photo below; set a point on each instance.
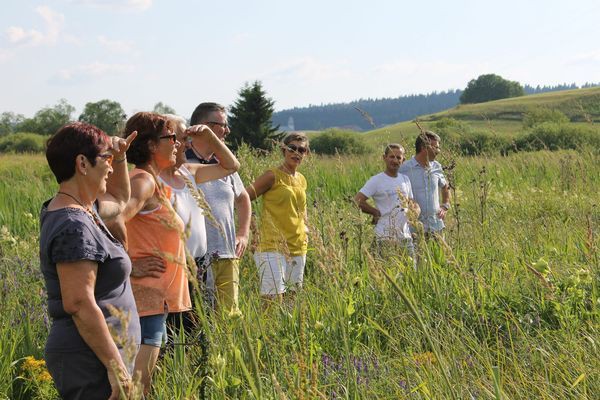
(119, 160)
(446, 206)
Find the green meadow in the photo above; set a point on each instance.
(508, 310)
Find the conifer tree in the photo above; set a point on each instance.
(250, 119)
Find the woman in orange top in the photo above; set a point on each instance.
(154, 233)
(281, 254)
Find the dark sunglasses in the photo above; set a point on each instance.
(109, 157)
(221, 124)
(297, 149)
(172, 137)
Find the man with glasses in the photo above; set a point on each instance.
(225, 196)
(427, 180)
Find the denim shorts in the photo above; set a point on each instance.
(154, 329)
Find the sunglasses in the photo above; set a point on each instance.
(109, 157)
(221, 124)
(172, 137)
(297, 149)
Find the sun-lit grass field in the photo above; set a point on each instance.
(509, 310)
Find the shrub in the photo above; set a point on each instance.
(540, 115)
(336, 141)
(459, 137)
(22, 143)
(451, 131)
(555, 136)
(482, 143)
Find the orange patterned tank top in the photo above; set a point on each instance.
(159, 233)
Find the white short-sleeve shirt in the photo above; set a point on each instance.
(383, 189)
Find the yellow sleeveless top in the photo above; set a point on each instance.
(159, 233)
(282, 227)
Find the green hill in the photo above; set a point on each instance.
(580, 105)
(497, 118)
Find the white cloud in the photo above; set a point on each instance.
(309, 69)
(91, 71)
(49, 36)
(115, 46)
(117, 5)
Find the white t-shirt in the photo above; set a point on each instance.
(192, 215)
(383, 189)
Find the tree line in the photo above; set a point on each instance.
(107, 115)
(365, 114)
(249, 119)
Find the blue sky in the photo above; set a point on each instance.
(140, 52)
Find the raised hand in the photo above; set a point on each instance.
(119, 145)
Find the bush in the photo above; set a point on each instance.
(482, 143)
(451, 131)
(459, 137)
(555, 136)
(540, 115)
(336, 141)
(22, 143)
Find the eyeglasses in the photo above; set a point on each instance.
(172, 137)
(221, 124)
(297, 149)
(109, 157)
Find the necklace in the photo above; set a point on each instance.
(76, 200)
(90, 211)
(94, 216)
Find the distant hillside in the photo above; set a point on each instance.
(580, 105)
(367, 114)
(500, 117)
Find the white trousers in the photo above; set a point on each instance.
(277, 272)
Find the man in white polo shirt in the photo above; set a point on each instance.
(392, 194)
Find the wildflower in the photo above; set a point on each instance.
(424, 358)
(36, 369)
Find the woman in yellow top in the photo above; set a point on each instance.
(281, 253)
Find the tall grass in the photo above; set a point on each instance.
(510, 311)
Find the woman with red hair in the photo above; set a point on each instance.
(86, 270)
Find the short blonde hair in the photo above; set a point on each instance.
(395, 146)
(295, 136)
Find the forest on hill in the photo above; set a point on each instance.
(366, 114)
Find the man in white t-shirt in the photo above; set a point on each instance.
(392, 194)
